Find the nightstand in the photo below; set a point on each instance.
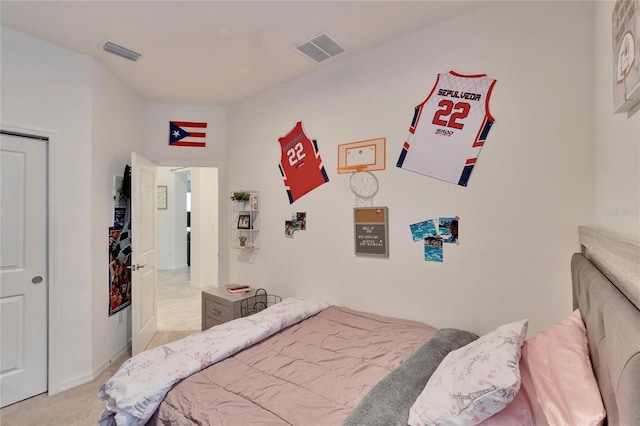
(220, 306)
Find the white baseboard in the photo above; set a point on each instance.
(172, 267)
(201, 285)
(86, 378)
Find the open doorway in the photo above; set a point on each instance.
(187, 240)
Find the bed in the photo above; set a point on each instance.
(304, 362)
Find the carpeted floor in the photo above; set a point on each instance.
(78, 406)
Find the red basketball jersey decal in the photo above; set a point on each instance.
(300, 163)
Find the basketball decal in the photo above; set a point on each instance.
(300, 163)
(449, 128)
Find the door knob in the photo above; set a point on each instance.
(136, 267)
(36, 279)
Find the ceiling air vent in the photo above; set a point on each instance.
(121, 51)
(320, 47)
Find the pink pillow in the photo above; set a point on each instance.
(524, 410)
(558, 384)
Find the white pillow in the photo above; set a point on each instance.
(474, 382)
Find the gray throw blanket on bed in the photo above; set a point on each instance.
(389, 401)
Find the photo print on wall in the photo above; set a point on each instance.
(298, 222)
(448, 229)
(423, 229)
(435, 233)
(433, 249)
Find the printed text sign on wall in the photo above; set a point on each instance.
(371, 231)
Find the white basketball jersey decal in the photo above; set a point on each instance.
(449, 128)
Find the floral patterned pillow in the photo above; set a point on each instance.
(474, 382)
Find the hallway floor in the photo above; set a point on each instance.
(179, 303)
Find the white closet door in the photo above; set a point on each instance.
(23, 268)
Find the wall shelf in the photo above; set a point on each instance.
(245, 222)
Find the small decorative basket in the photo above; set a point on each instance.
(261, 300)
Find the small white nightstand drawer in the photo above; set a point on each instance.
(217, 310)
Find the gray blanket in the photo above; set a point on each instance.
(389, 401)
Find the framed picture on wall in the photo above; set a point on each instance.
(244, 221)
(625, 26)
(162, 197)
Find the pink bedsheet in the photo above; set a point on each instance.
(313, 373)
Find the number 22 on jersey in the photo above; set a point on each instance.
(296, 154)
(449, 115)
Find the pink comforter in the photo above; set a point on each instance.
(312, 373)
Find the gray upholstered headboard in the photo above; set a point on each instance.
(613, 328)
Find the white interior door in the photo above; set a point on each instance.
(23, 268)
(143, 257)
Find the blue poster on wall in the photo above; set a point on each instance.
(433, 249)
(423, 229)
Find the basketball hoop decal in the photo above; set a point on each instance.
(359, 159)
(365, 186)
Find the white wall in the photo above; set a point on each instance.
(532, 187)
(49, 88)
(95, 122)
(156, 132)
(617, 144)
(117, 131)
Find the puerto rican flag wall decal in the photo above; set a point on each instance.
(187, 133)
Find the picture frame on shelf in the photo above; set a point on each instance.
(244, 221)
(254, 202)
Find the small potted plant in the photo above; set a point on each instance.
(243, 240)
(241, 197)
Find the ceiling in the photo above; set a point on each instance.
(217, 52)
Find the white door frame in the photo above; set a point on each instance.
(181, 164)
(54, 317)
(223, 233)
